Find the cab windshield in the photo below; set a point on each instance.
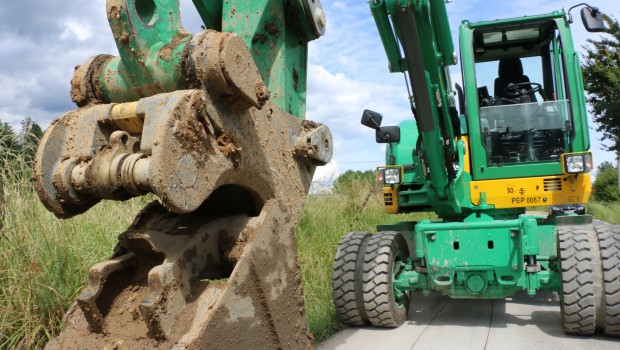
(524, 105)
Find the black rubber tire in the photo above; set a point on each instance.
(381, 307)
(609, 240)
(578, 299)
(347, 279)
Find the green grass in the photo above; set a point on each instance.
(327, 218)
(44, 261)
(607, 212)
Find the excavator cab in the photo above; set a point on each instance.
(535, 121)
(529, 118)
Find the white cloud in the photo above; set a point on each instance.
(326, 174)
(338, 100)
(42, 42)
(11, 118)
(74, 28)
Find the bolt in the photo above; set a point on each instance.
(515, 267)
(320, 17)
(433, 237)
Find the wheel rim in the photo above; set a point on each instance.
(399, 295)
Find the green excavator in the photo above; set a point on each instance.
(514, 136)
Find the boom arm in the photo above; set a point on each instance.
(423, 31)
(155, 50)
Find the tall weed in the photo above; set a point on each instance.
(44, 261)
(609, 212)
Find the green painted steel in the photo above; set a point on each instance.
(150, 39)
(392, 50)
(424, 190)
(270, 33)
(424, 37)
(151, 42)
(210, 12)
(405, 153)
(473, 251)
(481, 257)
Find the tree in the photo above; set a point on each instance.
(353, 178)
(29, 139)
(601, 72)
(604, 166)
(606, 183)
(8, 143)
(22, 146)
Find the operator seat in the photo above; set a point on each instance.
(510, 71)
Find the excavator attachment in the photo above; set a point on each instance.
(213, 263)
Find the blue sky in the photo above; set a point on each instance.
(42, 41)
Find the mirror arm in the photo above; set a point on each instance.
(570, 17)
(386, 135)
(377, 126)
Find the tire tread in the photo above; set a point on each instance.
(578, 292)
(609, 241)
(377, 280)
(346, 279)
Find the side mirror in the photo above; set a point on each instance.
(388, 134)
(371, 119)
(592, 20)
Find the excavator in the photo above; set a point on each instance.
(479, 158)
(213, 125)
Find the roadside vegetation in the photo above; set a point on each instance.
(44, 261)
(605, 203)
(355, 204)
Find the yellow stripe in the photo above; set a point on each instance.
(466, 157)
(533, 191)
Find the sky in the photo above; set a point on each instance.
(42, 41)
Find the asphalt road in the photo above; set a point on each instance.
(436, 322)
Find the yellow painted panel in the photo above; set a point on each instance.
(390, 199)
(533, 191)
(466, 157)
